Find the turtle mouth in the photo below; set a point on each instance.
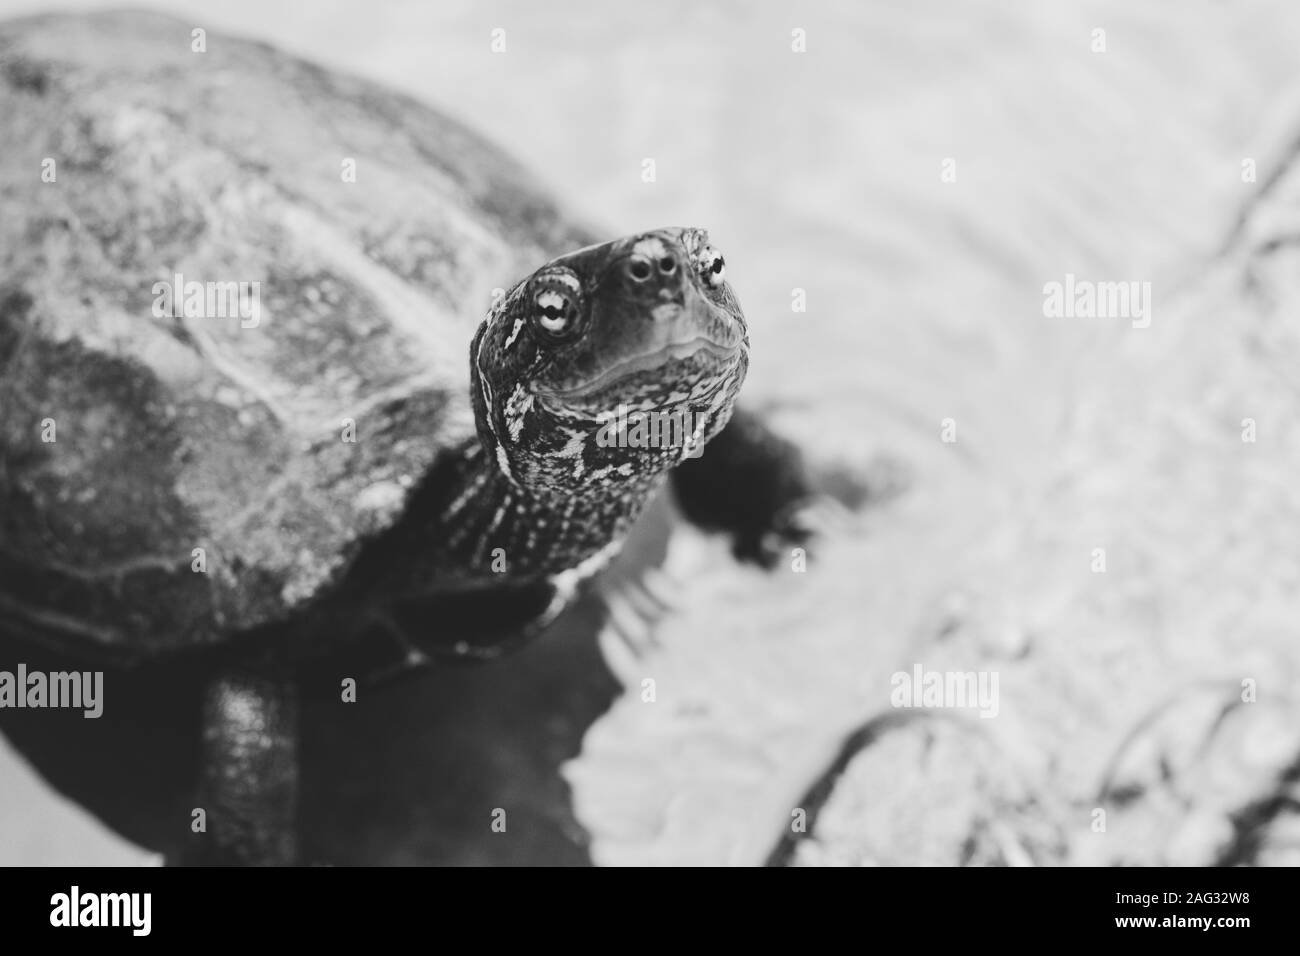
(697, 349)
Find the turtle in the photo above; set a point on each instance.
(295, 369)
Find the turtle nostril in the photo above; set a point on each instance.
(667, 265)
(639, 269)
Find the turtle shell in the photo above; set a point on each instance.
(175, 454)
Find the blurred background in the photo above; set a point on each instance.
(822, 171)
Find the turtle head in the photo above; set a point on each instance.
(611, 364)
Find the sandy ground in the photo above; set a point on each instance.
(821, 171)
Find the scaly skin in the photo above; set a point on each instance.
(540, 503)
(648, 323)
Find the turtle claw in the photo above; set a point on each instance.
(796, 526)
(622, 661)
(658, 587)
(632, 620)
(789, 528)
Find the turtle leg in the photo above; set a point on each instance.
(481, 624)
(249, 785)
(750, 483)
(469, 626)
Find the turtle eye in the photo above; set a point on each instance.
(555, 307)
(712, 267)
(556, 300)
